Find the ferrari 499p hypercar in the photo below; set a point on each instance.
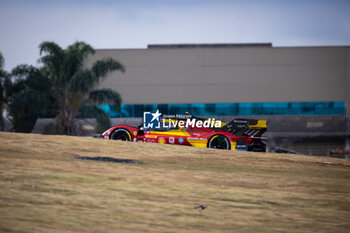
(239, 134)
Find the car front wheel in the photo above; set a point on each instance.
(219, 142)
(121, 134)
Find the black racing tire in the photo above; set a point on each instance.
(121, 134)
(219, 141)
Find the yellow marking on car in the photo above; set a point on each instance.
(233, 145)
(130, 137)
(198, 142)
(175, 132)
(261, 124)
(223, 124)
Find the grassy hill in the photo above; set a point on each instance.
(43, 188)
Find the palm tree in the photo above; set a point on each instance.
(72, 84)
(3, 80)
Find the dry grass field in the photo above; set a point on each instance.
(43, 188)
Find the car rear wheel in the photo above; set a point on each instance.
(121, 134)
(219, 142)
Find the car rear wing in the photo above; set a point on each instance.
(246, 127)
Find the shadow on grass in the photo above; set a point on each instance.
(109, 159)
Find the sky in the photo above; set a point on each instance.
(24, 24)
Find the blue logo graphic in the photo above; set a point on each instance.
(151, 120)
(181, 140)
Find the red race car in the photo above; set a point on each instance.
(239, 134)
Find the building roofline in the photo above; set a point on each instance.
(214, 45)
(222, 46)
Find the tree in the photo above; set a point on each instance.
(28, 97)
(4, 78)
(72, 84)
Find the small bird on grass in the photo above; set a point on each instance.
(200, 208)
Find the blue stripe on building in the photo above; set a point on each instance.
(224, 109)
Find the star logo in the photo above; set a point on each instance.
(151, 120)
(156, 115)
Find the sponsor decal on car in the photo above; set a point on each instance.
(171, 140)
(181, 140)
(191, 138)
(161, 140)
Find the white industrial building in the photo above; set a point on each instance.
(304, 92)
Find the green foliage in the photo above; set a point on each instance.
(4, 79)
(72, 83)
(60, 87)
(28, 97)
(102, 67)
